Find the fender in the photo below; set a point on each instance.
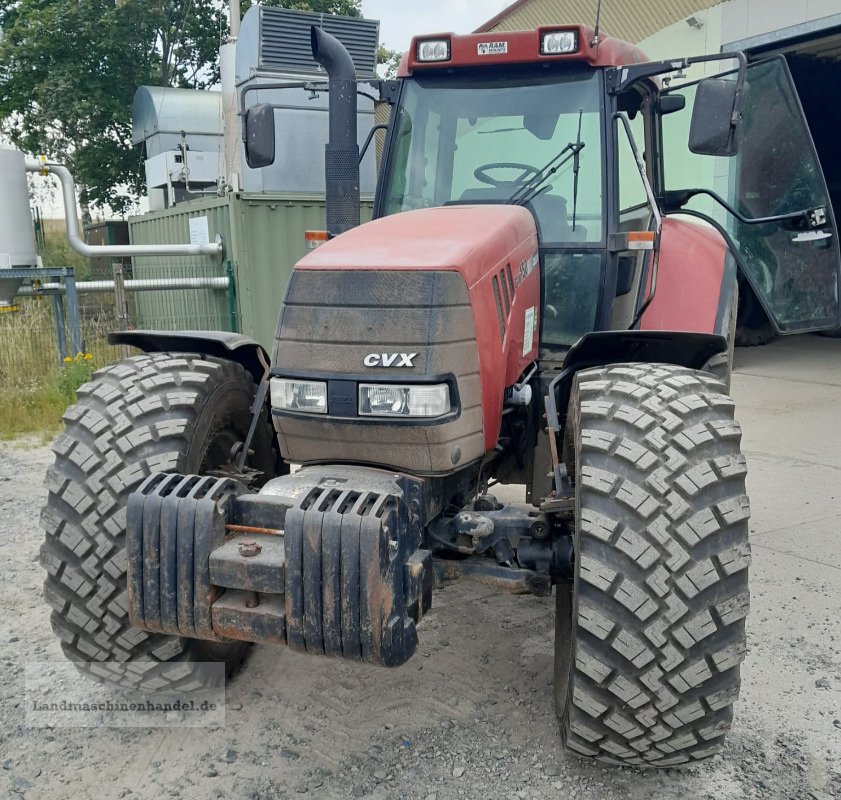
(681, 348)
(696, 281)
(219, 344)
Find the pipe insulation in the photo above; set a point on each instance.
(68, 187)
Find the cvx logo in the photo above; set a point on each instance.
(390, 360)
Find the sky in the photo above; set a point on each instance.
(400, 20)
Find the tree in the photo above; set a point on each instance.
(69, 70)
(389, 61)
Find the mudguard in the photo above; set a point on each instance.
(219, 344)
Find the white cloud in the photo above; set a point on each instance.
(400, 20)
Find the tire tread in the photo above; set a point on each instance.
(134, 418)
(663, 558)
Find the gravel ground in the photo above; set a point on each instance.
(470, 715)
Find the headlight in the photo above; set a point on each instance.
(389, 400)
(434, 50)
(559, 43)
(295, 395)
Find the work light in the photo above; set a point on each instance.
(559, 43)
(434, 50)
(294, 395)
(390, 400)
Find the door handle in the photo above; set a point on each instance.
(811, 236)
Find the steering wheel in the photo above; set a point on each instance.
(527, 172)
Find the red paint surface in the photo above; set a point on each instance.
(478, 242)
(689, 280)
(523, 48)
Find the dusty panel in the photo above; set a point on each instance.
(333, 320)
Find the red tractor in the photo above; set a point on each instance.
(530, 306)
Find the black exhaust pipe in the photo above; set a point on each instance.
(342, 152)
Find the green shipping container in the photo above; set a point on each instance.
(264, 239)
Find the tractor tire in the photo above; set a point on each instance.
(650, 636)
(753, 328)
(721, 366)
(151, 413)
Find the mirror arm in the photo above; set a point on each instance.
(383, 88)
(673, 202)
(243, 107)
(381, 127)
(620, 78)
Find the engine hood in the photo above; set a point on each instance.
(470, 240)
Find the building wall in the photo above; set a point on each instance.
(683, 169)
(729, 21)
(732, 21)
(745, 18)
(630, 20)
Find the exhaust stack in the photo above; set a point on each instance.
(342, 151)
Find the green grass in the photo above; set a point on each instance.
(57, 251)
(35, 412)
(34, 389)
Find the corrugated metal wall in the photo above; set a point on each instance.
(205, 309)
(631, 20)
(264, 239)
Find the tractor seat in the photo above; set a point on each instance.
(548, 210)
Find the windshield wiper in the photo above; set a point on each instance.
(531, 189)
(576, 166)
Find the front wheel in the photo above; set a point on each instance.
(150, 413)
(650, 636)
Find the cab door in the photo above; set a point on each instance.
(793, 266)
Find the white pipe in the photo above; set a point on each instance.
(230, 116)
(139, 285)
(71, 213)
(234, 14)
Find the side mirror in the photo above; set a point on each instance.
(671, 104)
(716, 118)
(260, 136)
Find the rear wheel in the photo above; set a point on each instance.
(721, 366)
(150, 413)
(650, 636)
(754, 329)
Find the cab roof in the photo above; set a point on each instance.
(521, 47)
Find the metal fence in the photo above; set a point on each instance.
(158, 295)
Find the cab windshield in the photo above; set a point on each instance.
(474, 138)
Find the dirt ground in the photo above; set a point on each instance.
(470, 715)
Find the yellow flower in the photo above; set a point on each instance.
(88, 357)
(68, 360)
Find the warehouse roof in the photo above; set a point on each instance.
(631, 20)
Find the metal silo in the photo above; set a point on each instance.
(17, 234)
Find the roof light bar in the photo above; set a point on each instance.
(559, 43)
(434, 50)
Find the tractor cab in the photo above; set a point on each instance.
(587, 136)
